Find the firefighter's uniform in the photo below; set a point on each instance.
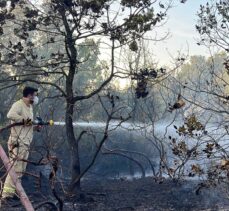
(18, 143)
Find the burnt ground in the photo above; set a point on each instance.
(141, 195)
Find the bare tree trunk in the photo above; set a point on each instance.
(131, 168)
(75, 161)
(73, 143)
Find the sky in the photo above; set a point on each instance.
(183, 35)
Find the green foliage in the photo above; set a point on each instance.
(45, 38)
(213, 25)
(90, 67)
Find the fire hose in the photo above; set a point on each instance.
(37, 121)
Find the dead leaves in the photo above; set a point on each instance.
(178, 104)
(143, 77)
(225, 164)
(196, 169)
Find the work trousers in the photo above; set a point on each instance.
(18, 153)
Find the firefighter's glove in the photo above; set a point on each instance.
(27, 122)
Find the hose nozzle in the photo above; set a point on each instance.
(39, 121)
(51, 122)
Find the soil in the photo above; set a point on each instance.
(141, 195)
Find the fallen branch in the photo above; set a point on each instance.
(46, 203)
(24, 198)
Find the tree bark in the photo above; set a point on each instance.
(74, 150)
(72, 141)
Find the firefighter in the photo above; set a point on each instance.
(20, 139)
